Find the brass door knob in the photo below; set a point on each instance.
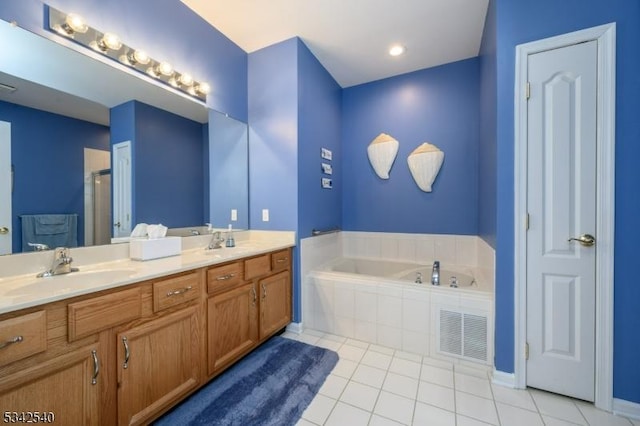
(4, 230)
(584, 239)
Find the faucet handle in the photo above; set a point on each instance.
(38, 246)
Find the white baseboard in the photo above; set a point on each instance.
(295, 327)
(626, 408)
(504, 379)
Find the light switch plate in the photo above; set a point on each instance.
(265, 215)
(234, 215)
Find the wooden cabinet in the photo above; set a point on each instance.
(68, 386)
(126, 355)
(232, 325)
(158, 364)
(248, 304)
(275, 303)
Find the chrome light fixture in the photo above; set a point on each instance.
(74, 27)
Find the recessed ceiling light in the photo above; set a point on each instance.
(397, 50)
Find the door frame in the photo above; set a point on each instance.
(5, 149)
(605, 35)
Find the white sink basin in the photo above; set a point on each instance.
(69, 282)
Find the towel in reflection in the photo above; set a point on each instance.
(54, 230)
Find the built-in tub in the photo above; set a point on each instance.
(403, 272)
(379, 302)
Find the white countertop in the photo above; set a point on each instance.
(24, 291)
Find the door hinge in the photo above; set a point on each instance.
(528, 90)
(526, 222)
(526, 351)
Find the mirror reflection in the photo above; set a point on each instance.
(78, 169)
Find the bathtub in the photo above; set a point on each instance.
(379, 302)
(402, 272)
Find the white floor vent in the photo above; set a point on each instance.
(463, 335)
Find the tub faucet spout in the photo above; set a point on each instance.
(435, 273)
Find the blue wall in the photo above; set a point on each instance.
(43, 146)
(228, 156)
(319, 125)
(523, 21)
(167, 30)
(487, 157)
(273, 136)
(294, 110)
(438, 105)
(168, 174)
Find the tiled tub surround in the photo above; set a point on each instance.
(417, 318)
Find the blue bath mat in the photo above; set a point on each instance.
(271, 386)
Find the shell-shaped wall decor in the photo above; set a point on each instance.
(382, 153)
(425, 162)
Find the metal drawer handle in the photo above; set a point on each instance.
(179, 291)
(255, 296)
(11, 341)
(264, 291)
(96, 367)
(284, 259)
(126, 353)
(225, 277)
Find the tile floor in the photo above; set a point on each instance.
(377, 386)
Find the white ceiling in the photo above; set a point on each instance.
(351, 38)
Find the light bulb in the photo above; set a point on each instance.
(110, 41)
(76, 23)
(397, 50)
(135, 57)
(165, 68)
(141, 57)
(186, 79)
(204, 88)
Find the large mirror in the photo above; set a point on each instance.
(72, 126)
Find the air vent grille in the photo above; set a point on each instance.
(463, 335)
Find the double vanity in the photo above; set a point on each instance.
(123, 341)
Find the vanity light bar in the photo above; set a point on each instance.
(73, 26)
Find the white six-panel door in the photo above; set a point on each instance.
(561, 203)
(122, 188)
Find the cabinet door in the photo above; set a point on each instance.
(275, 303)
(157, 365)
(232, 325)
(65, 389)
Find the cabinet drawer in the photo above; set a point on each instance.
(257, 266)
(99, 313)
(22, 336)
(225, 277)
(175, 290)
(280, 260)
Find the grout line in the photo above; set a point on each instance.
(581, 413)
(337, 399)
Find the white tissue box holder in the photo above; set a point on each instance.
(147, 249)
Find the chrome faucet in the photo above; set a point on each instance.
(216, 241)
(435, 273)
(61, 263)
